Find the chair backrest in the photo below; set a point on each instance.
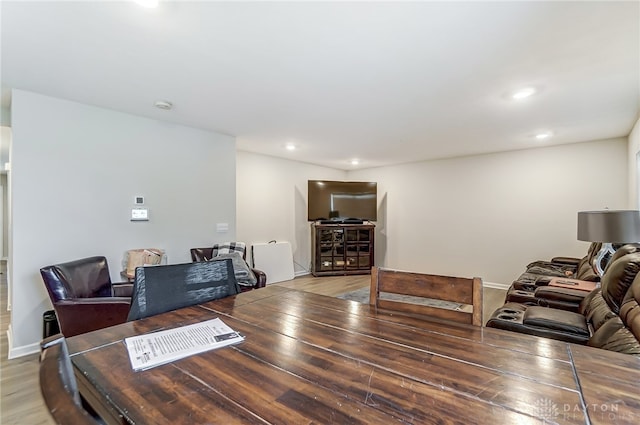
(201, 254)
(450, 298)
(58, 384)
(84, 278)
(617, 279)
(158, 289)
(630, 311)
(586, 267)
(206, 254)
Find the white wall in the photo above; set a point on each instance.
(75, 172)
(5, 216)
(485, 215)
(272, 202)
(490, 215)
(5, 117)
(634, 149)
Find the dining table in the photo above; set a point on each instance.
(314, 359)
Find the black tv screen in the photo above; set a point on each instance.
(340, 200)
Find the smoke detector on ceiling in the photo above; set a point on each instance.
(163, 104)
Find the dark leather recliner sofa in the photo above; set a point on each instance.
(608, 317)
(531, 287)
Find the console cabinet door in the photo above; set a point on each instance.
(342, 249)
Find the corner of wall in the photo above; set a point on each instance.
(5, 117)
(15, 352)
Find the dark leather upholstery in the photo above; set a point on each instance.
(83, 296)
(622, 333)
(564, 267)
(550, 295)
(618, 278)
(205, 254)
(556, 320)
(528, 288)
(546, 296)
(630, 316)
(596, 310)
(511, 317)
(609, 317)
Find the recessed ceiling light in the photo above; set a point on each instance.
(355, 161)
(163, 104)
(543, 136)
(147, 3)
(290, 147)
(523, 93)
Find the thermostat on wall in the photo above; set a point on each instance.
(139, 214)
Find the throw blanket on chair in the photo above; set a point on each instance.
(244, 275)
(229, 247)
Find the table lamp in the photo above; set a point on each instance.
(608, 227)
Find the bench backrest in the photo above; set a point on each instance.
(456, 299)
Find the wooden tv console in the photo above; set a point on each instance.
(342, 249)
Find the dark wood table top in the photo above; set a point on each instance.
(309, 358)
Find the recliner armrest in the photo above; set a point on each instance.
(544, 322)
(566, 260)
(261, 277)
(554, 293)
(563, 322)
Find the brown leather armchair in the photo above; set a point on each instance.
(206, 254)
(83, 296)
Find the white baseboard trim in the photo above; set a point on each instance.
(302, 273)
(495, 285)
(25, 350)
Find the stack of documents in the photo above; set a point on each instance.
(156, 348)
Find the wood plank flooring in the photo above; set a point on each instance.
(20, 399)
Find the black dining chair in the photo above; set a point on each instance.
(158, 289)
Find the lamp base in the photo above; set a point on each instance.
(602, 258)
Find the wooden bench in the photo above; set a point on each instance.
(424, 287)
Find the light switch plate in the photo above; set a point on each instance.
(139, 214)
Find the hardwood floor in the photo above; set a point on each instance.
(331, 285)
(20, 399)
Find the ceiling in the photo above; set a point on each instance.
(386, 83)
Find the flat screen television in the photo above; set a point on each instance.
(341, 200)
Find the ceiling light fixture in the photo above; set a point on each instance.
(543, 136)
(355, 161)
(290, 147)
(148, 3)
(523, 93)
(163, 104)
